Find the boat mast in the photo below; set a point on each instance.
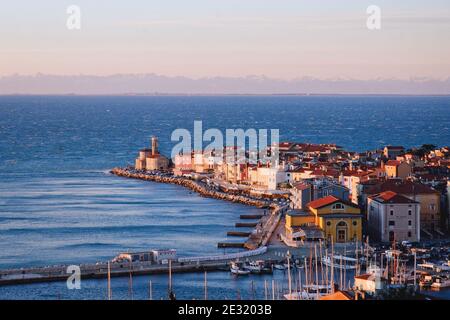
(273, 290)
(306, 273)
(265, 289)
(415, 270)
(332, 265)
(130, 282)
(288, 256)
(206, 287)
(109, 282)
(317, 274)
(300, 284)
(150, 290)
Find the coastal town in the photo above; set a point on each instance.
(392, 202)
(340, 225)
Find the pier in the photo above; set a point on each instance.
(125, 269)
(251, 216)
(238, 234)
(246, 224)
(196, 186)
(263, 229)
(231, 245)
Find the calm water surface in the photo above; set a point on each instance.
(58, 204)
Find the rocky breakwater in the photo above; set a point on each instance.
(196, 186)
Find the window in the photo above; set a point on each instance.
(392, 212)
(328, 223)
(432, 207)
(392, 223)
(355, 223)
(409, 234)
(409, 223)
(409, 212)
(338, 206)
(391, 236)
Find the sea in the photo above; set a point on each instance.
(60, 205)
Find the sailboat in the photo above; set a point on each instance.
(335, 260)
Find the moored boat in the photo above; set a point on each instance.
(340, 262)
(237, 270)
(441, 282)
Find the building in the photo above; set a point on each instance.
(397, 169)
(391, 152)
(150, 159)
(326, 187)
(269, 177)
(340, 220)
(429, 199)
(339, 296)
(163, 256)
(300, 195)
(312, 189)
(393, 217)
(301, 225)
(369, 283)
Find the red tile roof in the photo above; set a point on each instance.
(326, 201)
(401, 187)
(393, 163)
(391, 197)
(301, 186)
(322, 202)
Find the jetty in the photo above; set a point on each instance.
(99, 270)
(246, 224)
(264, 228)
(238, 234)
(250, 216)
(197, 186)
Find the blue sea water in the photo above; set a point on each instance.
(58, 204)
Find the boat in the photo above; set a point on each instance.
(254, 266)
(442, 267)
(426, 281)
(279, 266)
(237, 270)
(340, 262)
(441, 282)
(309, 292)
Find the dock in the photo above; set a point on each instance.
(246, 224)
(125, 268)
(251, 216)
(231, 245)
(238, 234)
(99, 271)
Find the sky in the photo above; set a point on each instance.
(281, 39)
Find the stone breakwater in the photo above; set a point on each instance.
(257, 239)
(201, 188)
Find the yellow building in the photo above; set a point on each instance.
(397, 169)
(340, 220)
